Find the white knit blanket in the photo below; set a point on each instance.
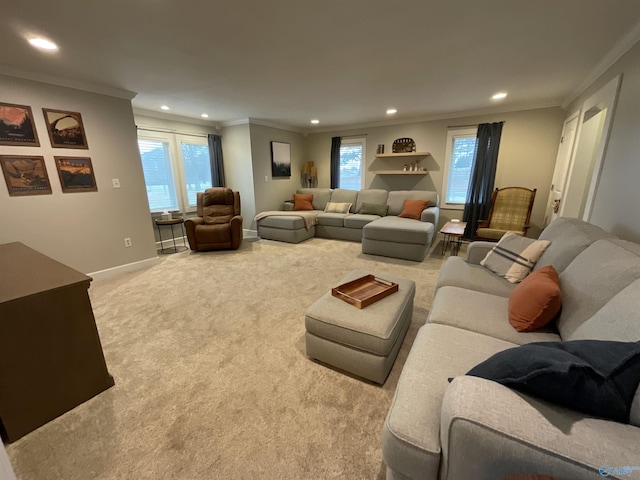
(310, 217)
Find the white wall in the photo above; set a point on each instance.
(617, 201)
(528, 148)
(83, 230)
(271, 193)
(238, 169)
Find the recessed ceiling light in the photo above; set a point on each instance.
(43, 44)
(204, 115)
(391, 111)
(315, 122)
(499, 96)
(164, 107)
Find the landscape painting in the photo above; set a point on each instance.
(25, 175)
(65, 129)
(280, 159)
(76, 174)
(17, 126)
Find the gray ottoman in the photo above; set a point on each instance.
(363, 342)
(398, 238)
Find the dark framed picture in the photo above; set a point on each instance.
(25, 175)
(280, 159)
(17, 126)
(76, 174)
(65, 129)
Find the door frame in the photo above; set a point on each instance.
(605, 98)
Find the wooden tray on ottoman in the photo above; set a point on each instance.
(364, 291)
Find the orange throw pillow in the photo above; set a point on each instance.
(303, 201)
(536, 300)
(413, 208)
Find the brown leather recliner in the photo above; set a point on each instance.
(218, 225)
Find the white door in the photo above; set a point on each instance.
(588, 153)
(563, 161)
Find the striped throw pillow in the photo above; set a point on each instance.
(514, 256)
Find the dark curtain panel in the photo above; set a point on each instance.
(335, 162)
(483, 176)
(217, 166)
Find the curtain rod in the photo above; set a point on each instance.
(354, 136)
(169, 130)
(469, 126)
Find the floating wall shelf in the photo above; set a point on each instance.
(398, 172)
(408, 154)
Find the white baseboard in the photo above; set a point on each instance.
(129, 267)
(249, 233)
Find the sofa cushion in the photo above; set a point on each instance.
(337, 207)
(456, 272)
(413, 208)
(341, 195)
(303, 201)
(286, 222)
(594, 277)
(332, 219)
(535, 301)
(482, 313)
(399, 230)
(359, 220)
(514, 256)
(374, 209)
(411, 432)
(320, 196)
(371, 195)
(568, 237)
(596, 377)
(396, 199)
(616, 320)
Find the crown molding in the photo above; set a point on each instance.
(263, 123)
(63, 82)
(172, 116)
(622, 46)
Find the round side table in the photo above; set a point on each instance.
(174, 221)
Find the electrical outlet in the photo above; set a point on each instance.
(127, 242)
(266, 178)
(116, 182)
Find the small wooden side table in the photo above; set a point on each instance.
(174, 221)
(453, 232)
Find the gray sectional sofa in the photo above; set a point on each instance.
(390, 235)
(475, 428)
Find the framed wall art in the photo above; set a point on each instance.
(280, 159)
(17, 126)
(65, 129)
(25, 175)
(76, 174)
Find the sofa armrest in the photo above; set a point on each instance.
(477, 250)
(488, 431)
(431, 215)
(287, 206)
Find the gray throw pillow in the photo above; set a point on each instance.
(514, 256)
(374, 209)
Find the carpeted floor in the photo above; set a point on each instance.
(212, 382)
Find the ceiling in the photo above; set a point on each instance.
(343, 62)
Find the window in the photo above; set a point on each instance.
(176, 168)
(461, 150)
(352, 152)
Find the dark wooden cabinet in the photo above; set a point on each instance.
(51, 358)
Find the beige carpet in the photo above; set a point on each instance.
(212, 381)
